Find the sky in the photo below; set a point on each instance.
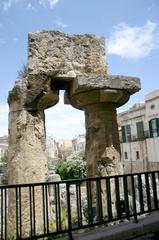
(131, 31)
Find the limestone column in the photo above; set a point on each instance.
(28, 161)
(27, 164)
(102, 140)
(99, 96)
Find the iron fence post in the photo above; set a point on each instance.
(69, 211)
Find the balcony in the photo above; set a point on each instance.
(142, 137)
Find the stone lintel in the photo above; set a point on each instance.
(70, 55)
(87, 82)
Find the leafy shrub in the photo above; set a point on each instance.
(73, 167)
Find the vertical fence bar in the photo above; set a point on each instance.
(34, 230)
(30, 200)
(59, 206)
(79, 205)
(17, 215)
(134, 198)
(5, 211)
(1, 213)
(46, 204)
(117, 193)
(56, 208)
(108, 198)
(20, 213)
(125, 186)
(141, 199)
(154, 190)
(43, 198)
(148, 191)
(69, 211)
(99, 200)
(89, 201)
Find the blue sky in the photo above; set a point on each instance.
(131, 30)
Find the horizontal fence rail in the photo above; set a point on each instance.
(32, 211)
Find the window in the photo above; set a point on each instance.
(152, 106)
(154, 127)
(137, 155)
(126, 133)
(125, 155)
(140, 130)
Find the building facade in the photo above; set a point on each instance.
(3, 146)
(51, 148)
(139, 135)
(78, 142)
(64, 147)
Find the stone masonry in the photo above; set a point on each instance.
(76, 64)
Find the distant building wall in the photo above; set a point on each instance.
(78, 143)
(153, 150)
(64, 147)
(134, 156)
(139, 135)
(3, 145)
(51, 147)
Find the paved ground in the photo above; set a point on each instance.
(151, 236)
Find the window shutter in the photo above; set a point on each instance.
(157, 126)
(150, 128)
(123, 134)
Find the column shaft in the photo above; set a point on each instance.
(27, 164)
(102, 140)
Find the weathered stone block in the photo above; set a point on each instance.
(53, 52)
(86, 82)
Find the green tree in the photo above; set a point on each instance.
(73, 167)
(3, 166)
(4, 158)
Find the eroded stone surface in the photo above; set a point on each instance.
(27, 157)
(109, 96)
(86, 82)
(102, 141)
(53, 52)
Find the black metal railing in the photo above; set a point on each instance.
(144, 135)
(32, 211)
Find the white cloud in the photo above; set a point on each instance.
(15, 39)
(6, 4)
(51, 3)
(133, 42)
(30, 6)
(3, 119)
(61, 24)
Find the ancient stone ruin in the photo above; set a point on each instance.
(76, 64)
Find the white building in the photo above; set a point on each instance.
(139, 135)
(78, 142)
(51, 148)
